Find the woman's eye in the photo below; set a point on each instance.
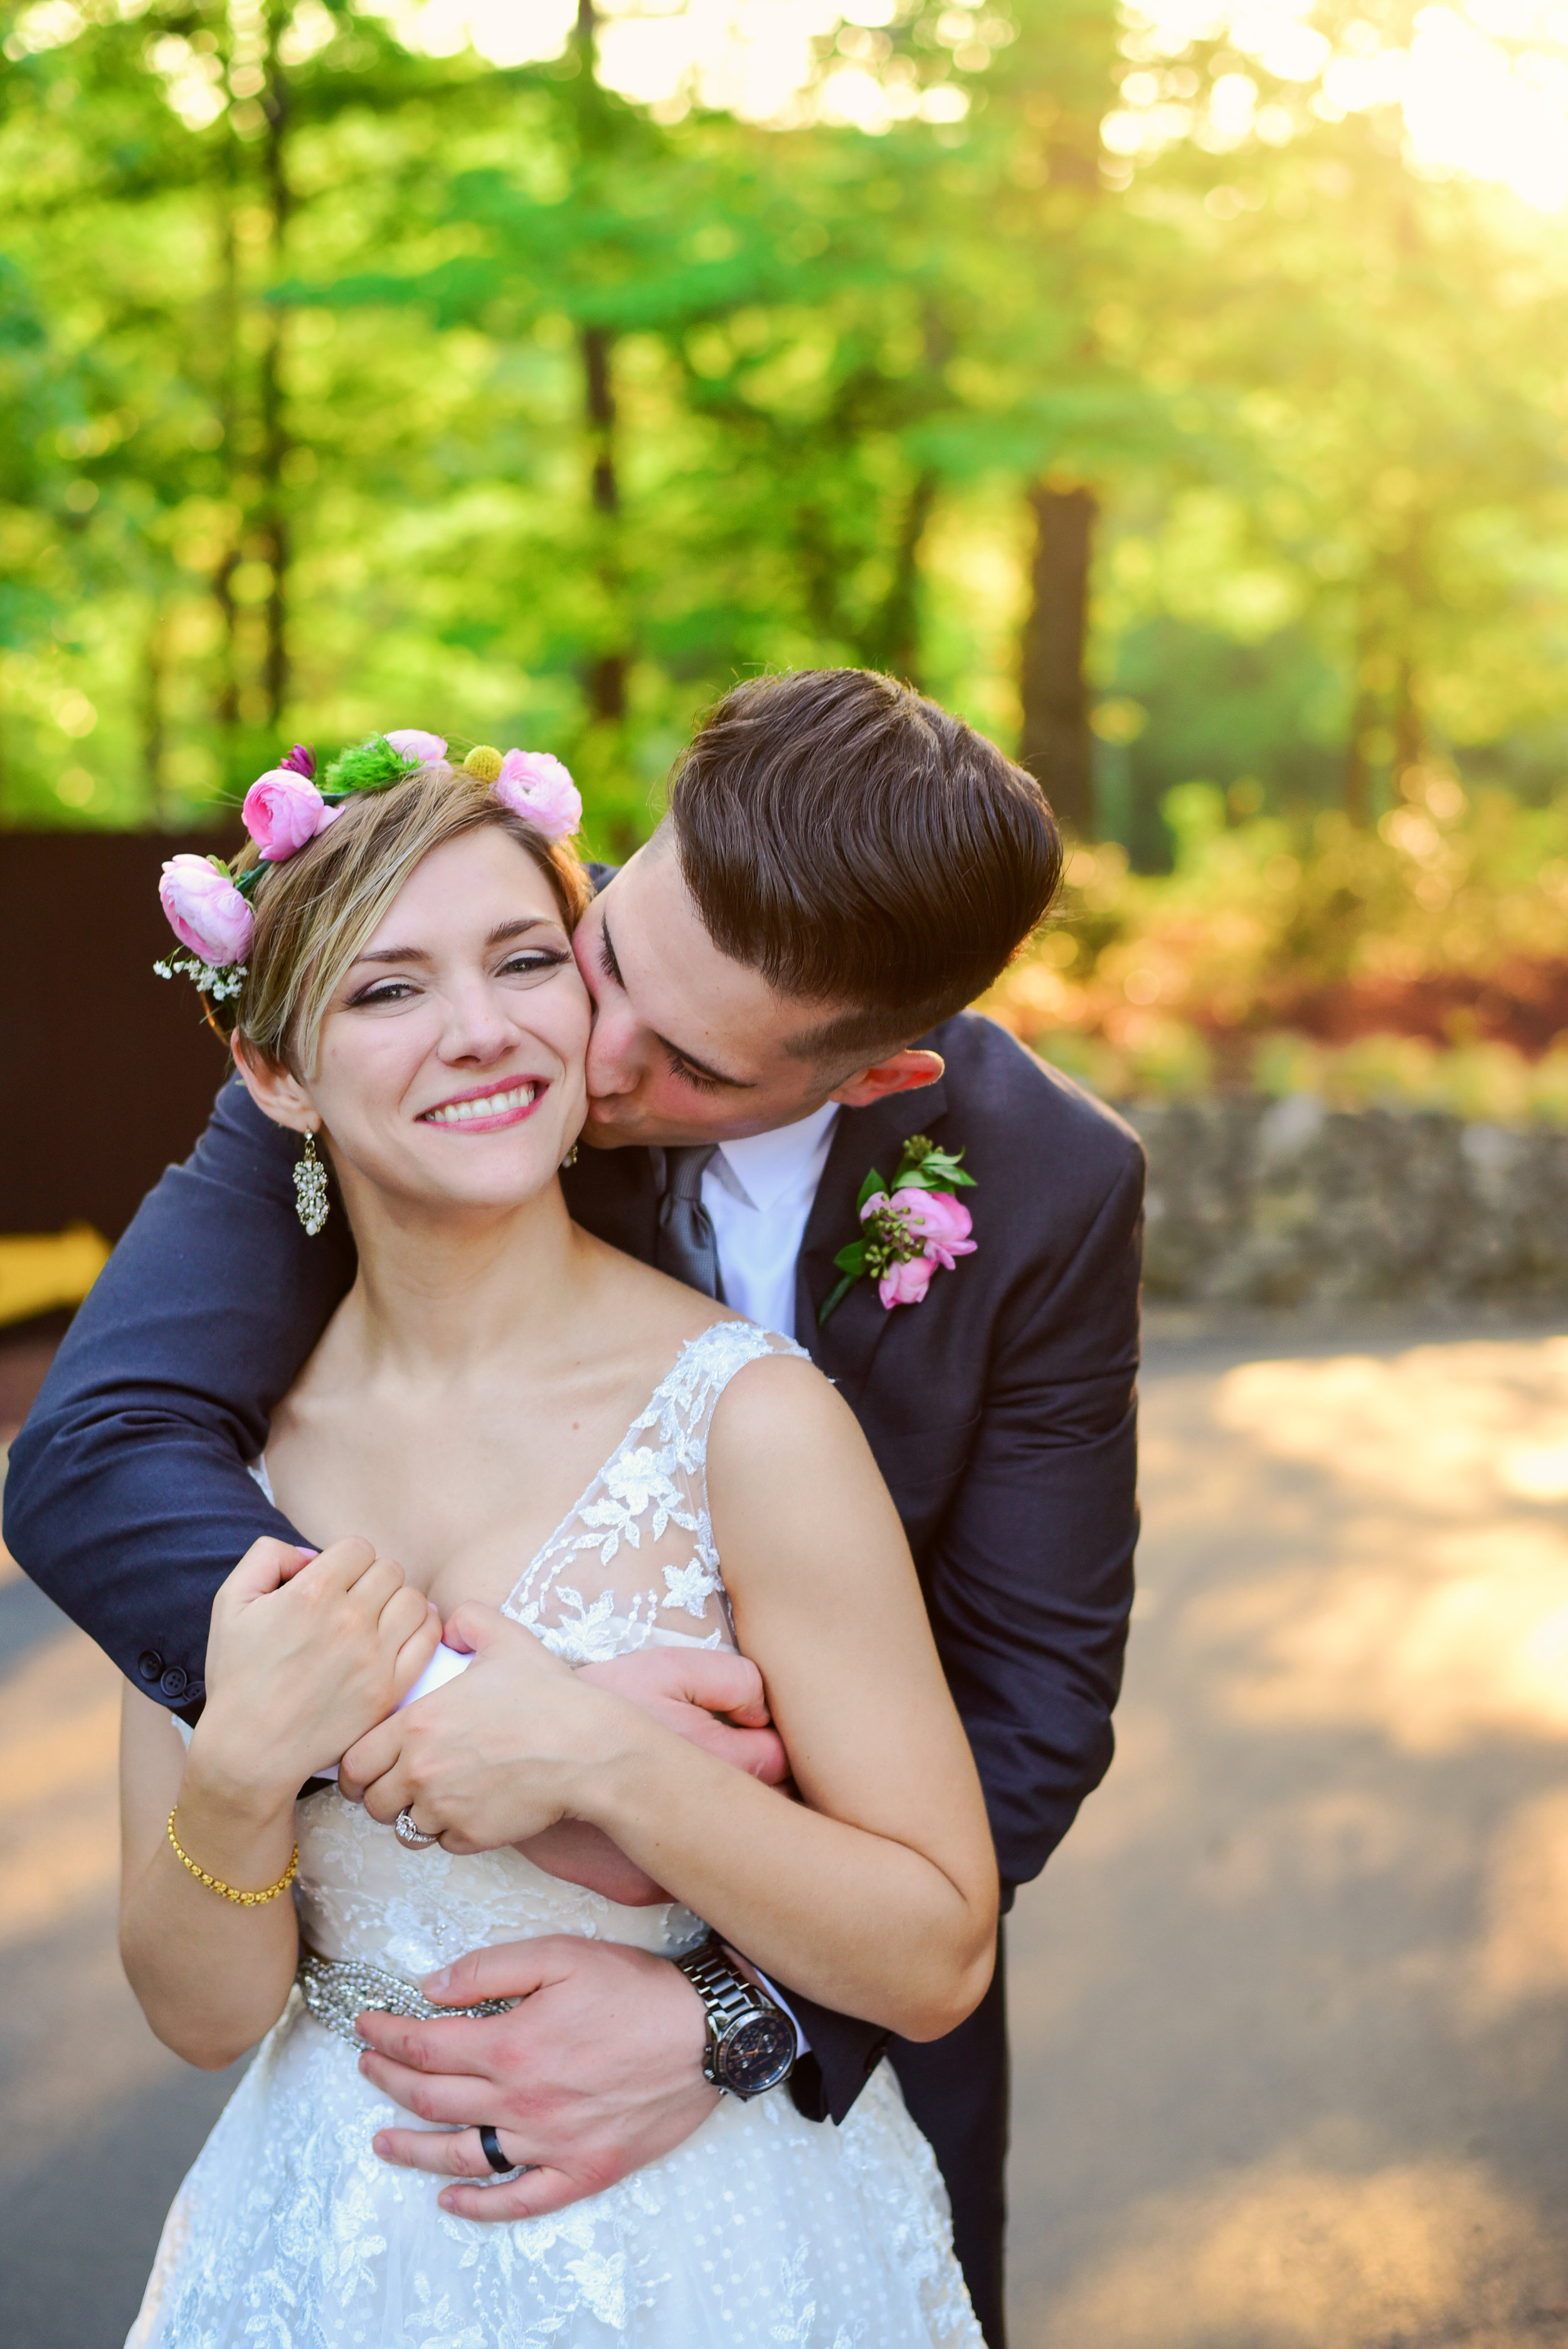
(385, 990)
(529, 963)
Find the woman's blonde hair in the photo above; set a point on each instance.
(315, 913)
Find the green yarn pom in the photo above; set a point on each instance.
(369, 766)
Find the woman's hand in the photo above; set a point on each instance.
(499, 1755)
(303, 1658)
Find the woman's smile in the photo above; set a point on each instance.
(489, 1109)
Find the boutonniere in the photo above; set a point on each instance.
(908, 1228)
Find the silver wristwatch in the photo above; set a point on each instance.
(750, 2041)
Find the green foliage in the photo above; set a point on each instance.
(1422, 962)
(343, 387)
(367, 766)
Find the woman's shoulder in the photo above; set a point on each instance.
(771, 1395)
(640, 1298)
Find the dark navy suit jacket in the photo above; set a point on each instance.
(1000, 1409)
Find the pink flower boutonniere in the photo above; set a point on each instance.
(908, 1230)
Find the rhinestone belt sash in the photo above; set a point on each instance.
(338, 1990)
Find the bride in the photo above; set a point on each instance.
(573, 1458)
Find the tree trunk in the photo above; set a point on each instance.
(604, 677)
(1057, 746)
(275, 429)
(1409, 729)
(226, 700)
(1357, 765)
(153, 738)
(895, 645)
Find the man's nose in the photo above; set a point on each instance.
(613, 1064)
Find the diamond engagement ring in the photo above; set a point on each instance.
(409, 1834)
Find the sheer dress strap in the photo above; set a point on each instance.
(634, 1563)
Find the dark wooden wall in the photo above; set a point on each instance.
(106, 1072)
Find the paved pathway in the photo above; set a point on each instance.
(1291, 2004)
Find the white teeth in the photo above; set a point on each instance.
(491, 1105)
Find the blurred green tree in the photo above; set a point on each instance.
(1108, 390)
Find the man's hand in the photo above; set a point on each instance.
(710, 1696)
(690, 1690)
(597, 2073)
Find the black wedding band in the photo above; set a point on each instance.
(492, 2152)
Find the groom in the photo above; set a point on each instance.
(779, 979)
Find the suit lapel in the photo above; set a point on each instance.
(863, 1138)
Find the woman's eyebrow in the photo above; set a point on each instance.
(504, 930)
(391, 954)
(498, 937)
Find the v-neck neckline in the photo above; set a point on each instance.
(633, 1428)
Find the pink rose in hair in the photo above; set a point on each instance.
(206, 911)
(906, 1284)
(533, 785)
(282, 812)
(939, 1220)
(410, 742)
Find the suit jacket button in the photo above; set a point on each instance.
(149, 1663)
(174, 1681)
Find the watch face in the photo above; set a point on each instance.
(758, 2053)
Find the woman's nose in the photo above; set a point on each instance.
(478, 1027)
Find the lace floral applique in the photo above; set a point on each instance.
(690, 1587)
(652, 1491)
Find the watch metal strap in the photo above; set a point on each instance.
(725, 1992)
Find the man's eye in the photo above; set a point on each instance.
(698, 1078)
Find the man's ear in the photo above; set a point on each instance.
(902, 1073)
(278, 1092)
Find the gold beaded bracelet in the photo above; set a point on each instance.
(216, 1883)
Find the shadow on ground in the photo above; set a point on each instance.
(98, 2122)
(1290, 2005)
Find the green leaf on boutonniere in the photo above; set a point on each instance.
(852, 1259)
(925, 1167)
(870, 1187)
(836, 1296)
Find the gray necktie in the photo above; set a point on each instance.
(686, 1247)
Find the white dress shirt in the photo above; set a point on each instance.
(759, 1193)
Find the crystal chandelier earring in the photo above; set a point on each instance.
(311, 1202)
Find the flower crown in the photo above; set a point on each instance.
(208, 902)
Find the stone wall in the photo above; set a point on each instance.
(1286, 1201)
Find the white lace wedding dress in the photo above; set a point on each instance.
(764, 2227)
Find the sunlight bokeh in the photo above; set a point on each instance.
(1443, 1619)
(1482, 86)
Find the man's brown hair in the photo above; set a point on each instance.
(861, 848)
